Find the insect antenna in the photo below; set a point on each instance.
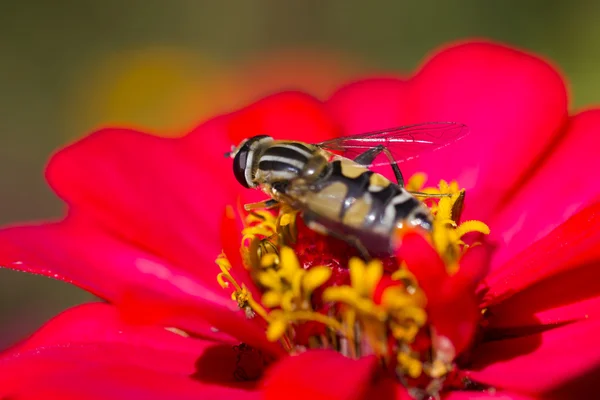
(231, 153)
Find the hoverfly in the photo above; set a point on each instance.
(333, 183)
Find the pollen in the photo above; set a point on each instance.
(316, 294)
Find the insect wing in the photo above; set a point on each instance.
(404, 143)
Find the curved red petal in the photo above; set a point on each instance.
(141, 283)
(424, 263)
(572, 295)
(538, 363)
(475, 263)
(572, 244)
(561, 186)
(489, 395)
(319, 375)
(156, 193)
(287, 115)
(387, 388)
(104, 323)
(231, 237)
(456, 318)
(514, 104)
(123, 383)
(371, 104)
(96, 261)
(451, 303)
(90, 351)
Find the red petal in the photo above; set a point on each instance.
(388, 389)
(186, 314)
(319, 375)
(123, 383)
(124, 274)
(451, 303)
(90, 352)
(287, 115)
(156, 193)
(572, 244)
(561, 186)
(371, 104)
(475, 264)
(539, 363)
(513, 103)
(491, 395)
(103, 323)
(231, 236)
(569, 296)
(424, 262)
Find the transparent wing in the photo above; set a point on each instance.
(404, 143)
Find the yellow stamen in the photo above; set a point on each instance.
(241, 295)
(412, 366)
(416, 182)
(472, 226)
(315, 277)
(447, 233)
(277, 326)
(269, 260)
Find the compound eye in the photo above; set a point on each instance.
(240, 165)
(244, 161)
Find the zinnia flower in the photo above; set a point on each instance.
(300, 317)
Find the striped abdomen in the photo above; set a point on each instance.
(364, 200)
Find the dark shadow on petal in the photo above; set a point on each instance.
(534, 327)
(530, 334)
(385, 388)
(239, 366)
(579, 388)
(570, 287)
(515, 317)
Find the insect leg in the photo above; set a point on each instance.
(456, 208)
(310, 221)
(270, 203)
(430, 195)
(368, 156)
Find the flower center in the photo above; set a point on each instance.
(316, 293)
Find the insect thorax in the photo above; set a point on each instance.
(284, 161)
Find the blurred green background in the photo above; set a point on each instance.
(71, 66)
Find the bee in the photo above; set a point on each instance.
(334, 183)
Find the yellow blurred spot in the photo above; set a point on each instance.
(165, 90)
(170, 90)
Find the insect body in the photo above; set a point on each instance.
(338, 195)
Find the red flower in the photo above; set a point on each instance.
(142, 232)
